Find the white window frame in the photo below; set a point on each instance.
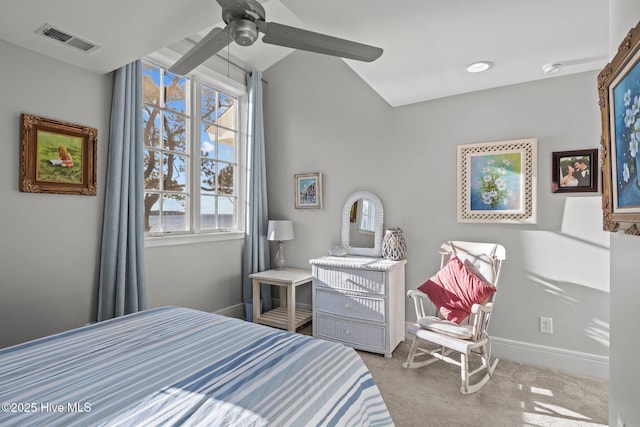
(239, 91)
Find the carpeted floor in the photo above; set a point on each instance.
(516, 395)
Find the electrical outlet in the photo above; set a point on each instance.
(546, 325)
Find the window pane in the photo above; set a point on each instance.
(151, 169)
(207, 212)
(174, 92)
(151, 84)
(208, 104)
(227, 145)
(207, 141)
(152, 212)
(174, 132)
(227, 210)
(225, 178)
(226, 112)
(175, 172)
(151, 126)
(174, 217)
(208, 176)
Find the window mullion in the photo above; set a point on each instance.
(195, 160)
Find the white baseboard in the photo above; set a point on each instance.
(575, 362)
(236, 311)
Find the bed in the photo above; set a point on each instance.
(178, 366)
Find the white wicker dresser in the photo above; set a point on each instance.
(359, 302)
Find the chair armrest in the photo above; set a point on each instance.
(416, 294)
(486, 308)
(480, 315)
(419, 299)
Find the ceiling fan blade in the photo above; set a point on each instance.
(297, 38)
(217, 39)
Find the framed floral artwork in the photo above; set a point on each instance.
(574, 171)
(308, 190)
(497, 182)
(57, 157)
(619, 94)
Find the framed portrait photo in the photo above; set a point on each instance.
(619, 99)
(308, 190)
(574, 171)
(57, 157)
(497, 182)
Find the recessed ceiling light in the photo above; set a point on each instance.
(478, 67)
(551, 68)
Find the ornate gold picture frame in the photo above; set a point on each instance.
(57, 157)
(619, 99)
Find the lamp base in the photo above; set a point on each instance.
(280, 261)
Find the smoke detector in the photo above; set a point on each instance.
(551, 68)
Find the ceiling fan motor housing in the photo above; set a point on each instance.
(243, 31)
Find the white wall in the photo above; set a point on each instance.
(320, 116)
(204, 276)
(625, 292)
(50, 243)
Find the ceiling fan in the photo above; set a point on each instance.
(245, 19)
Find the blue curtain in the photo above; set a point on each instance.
(122, 277)
(256, 245)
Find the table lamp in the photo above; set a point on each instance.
(280, 231)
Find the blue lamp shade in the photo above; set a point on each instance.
(280, 231)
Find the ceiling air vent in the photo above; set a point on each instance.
(66, 38)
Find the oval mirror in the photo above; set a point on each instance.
(362, 218)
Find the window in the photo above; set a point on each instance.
(191, 154)
(367, 216)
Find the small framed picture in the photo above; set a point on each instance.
(57, 157)
(575, 171)
(308, 190)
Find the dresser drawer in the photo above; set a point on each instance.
(354, 333)
(350, 280)
(358, 306)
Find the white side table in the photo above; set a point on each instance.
(286, 316)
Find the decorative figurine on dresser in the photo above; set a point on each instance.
(359, 298)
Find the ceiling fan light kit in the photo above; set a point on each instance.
(245, 19)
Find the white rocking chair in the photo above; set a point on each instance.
(470, 336)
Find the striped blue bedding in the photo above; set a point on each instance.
(177, 366)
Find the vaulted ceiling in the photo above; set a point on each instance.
(427, 44)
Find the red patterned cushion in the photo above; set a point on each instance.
(454, 290)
